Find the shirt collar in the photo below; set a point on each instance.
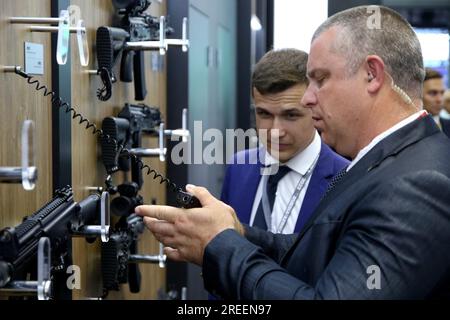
(383, 135)
(303, 160)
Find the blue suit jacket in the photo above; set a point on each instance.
(242, 180)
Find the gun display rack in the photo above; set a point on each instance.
(87, 172)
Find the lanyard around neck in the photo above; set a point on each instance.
(287, 212)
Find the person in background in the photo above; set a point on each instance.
(433, 93)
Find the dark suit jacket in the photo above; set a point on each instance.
(241, 182)
(391, 211)
(445, 124)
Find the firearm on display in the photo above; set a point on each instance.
(120, 256)
(116, 255)
(135, 26)
(59, 219)
(127, 129)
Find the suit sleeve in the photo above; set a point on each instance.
(273, 245)
(400, 230)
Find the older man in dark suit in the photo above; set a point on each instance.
(384, 225)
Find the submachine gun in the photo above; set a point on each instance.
(40, 242)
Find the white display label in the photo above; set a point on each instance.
(34, 58)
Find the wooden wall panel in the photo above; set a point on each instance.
(88, 170)
(18, 102)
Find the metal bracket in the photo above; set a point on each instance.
(63, 29)
(27, 173)
(43, 286)
(160, 258)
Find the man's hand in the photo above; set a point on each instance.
(187, 232)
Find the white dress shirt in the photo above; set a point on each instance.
(383, 135)
(287, 185)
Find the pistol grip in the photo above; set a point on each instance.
(134, 274)
(126, 66)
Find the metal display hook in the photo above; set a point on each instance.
(63, 29)
(27, 173)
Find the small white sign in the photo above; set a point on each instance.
(34, 58)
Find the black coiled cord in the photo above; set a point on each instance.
(104, 93)
(95, 131)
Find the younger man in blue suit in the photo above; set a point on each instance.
(306, 163)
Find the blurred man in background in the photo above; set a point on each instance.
(433, 93)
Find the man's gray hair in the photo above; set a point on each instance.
(395, 42)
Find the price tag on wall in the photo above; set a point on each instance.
(34, 58)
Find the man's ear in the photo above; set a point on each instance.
(374, 68)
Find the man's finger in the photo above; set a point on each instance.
(173, 254)
(202, 194)
(167, 213)
(160, 227)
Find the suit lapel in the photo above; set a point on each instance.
(248, 194)
(317, 186)
(248, 176)
(390, 146)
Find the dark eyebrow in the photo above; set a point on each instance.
(292, 110)
(313, 73)
(261, 109)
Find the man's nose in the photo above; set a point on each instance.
(278, 129)
(309, 99)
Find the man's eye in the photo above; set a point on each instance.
(320, 81)
(292, 116)
(262, 113)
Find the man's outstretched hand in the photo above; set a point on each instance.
(185, 233)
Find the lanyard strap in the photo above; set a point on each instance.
(287, 213)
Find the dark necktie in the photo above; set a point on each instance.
(271, 190)
(335, 180)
